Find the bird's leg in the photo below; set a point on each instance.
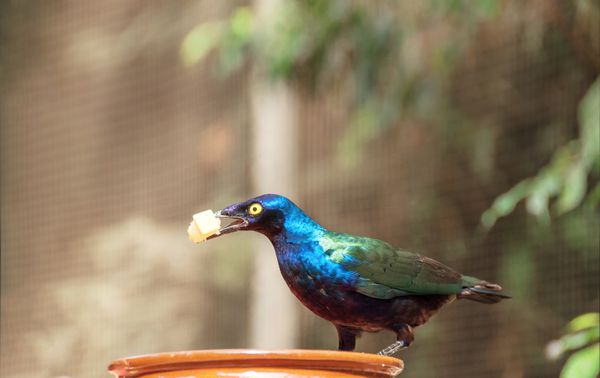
(347, 338)
(404, 337)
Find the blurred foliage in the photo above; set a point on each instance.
(392, 64)
(353, 45)
(582, 340)
(565, 177)
(232, 37)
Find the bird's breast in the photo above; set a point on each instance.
(321, 285)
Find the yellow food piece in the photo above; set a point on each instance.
(203, 225)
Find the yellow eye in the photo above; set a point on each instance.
(255, 209)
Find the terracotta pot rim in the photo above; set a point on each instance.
(298, 358)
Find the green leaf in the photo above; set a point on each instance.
(584, 321)
(237, 41)
(199, 42)
(584, 330)
(505, 203)
(573, 341)
(565, 176)
(489, 218)
(574, 189)
(583, 364)
(242, 23)
(589, 121)
(537, 203)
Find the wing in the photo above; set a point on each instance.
(385, 272)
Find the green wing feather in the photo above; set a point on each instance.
(387, 272)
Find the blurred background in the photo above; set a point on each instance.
(466, 131)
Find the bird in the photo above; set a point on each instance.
(359, 284)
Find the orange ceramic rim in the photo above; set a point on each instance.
(308, 359)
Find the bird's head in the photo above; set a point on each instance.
(268, 214)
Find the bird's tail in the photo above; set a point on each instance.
(482, 291)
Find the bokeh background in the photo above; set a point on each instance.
(466, 131)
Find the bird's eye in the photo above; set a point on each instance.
(255, 209)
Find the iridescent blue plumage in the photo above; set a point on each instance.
(357, 283)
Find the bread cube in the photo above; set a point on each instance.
(203, 225)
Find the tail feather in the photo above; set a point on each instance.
(483, 292)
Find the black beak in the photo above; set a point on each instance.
(238, 223)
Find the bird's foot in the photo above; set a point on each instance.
(392, 349)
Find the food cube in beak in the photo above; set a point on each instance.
(203, 225)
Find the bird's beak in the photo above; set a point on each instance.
(238, 223)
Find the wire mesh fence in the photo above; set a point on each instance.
(109, 143)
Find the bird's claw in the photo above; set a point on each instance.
(392, 349)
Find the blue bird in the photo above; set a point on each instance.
(357, 283)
